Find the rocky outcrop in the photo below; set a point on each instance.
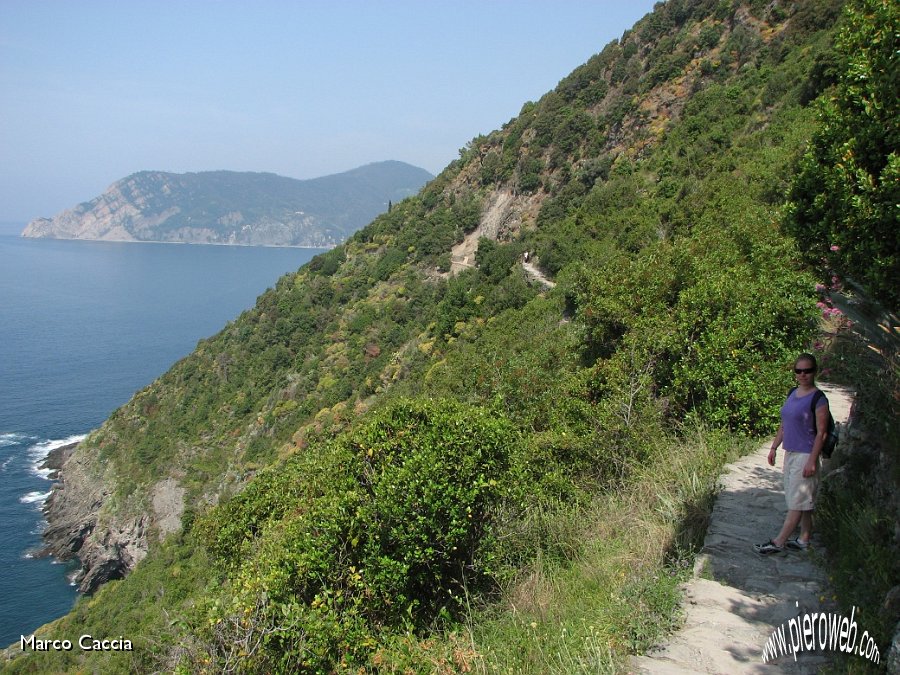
(79, 527)
(227, 207)
(168, 506)
(72, 511)
(56, 458)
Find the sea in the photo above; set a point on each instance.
(83, 326)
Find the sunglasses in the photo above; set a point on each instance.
(804, 371)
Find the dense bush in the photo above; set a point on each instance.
(844, 201)
(383, 529)
(705, 321)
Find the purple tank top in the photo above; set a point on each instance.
(798, 422)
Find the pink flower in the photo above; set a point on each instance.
(818, 346)
(821, 305)
(820, 288)
(835, 248)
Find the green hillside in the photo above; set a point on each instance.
(413, 456)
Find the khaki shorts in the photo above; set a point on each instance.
(799, 492)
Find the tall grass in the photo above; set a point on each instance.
(620, 591)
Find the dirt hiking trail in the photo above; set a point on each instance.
(534, 274)
(736, 597)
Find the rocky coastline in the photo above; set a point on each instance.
(55, 460)
(72, 513)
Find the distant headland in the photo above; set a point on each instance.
(237, 208)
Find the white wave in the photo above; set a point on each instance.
(41, 473)
(34, 497)
(5, 464)
(38, 452)
(12, 439)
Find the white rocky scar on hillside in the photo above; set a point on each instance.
(504, 213)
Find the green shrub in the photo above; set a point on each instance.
(844, 199)
(392, 536)
(704, 321)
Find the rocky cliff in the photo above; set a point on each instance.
(73, 513)
(225, 207)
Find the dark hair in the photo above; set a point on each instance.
(807, 357)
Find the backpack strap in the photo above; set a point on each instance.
(812, 407)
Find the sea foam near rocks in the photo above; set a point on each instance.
(34, 497)
(38, 452)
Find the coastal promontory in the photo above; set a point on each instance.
(241, 208)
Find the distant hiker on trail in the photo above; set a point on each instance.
(803, 437)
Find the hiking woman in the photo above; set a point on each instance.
(802, 435)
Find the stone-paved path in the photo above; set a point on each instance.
(737, 597)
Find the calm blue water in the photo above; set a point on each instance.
(83, 325)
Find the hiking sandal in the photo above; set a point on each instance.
(769, 548)
(796, 545)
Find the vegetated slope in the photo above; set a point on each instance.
(228, 207)
(648, 183)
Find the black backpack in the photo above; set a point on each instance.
(831, 438)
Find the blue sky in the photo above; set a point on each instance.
(92, 91)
